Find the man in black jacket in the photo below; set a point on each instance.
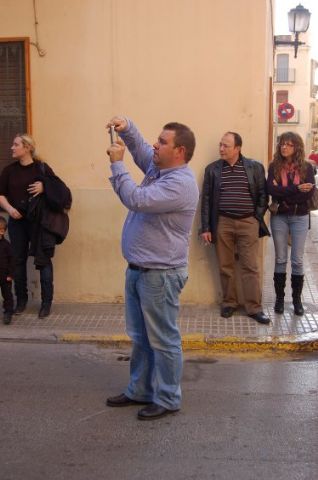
(234, 201)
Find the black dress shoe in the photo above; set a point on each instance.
(21, 306)
(7, 317)
(227, 312)
(122, 401)
(45, 310)
(260, 317)
(154, 411)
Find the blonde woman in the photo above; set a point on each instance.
(20, 182)
(290, 183)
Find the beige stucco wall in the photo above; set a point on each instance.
(203, 63)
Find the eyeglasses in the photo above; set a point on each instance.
(286, 144)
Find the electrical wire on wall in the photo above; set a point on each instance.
(36, 44)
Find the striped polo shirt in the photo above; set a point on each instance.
(235, 198)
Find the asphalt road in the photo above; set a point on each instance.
(242, 418)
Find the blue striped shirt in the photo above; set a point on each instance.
(161, 210)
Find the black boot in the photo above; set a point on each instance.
(7, 317)
(297, 282)
(47, 289)
(279, 284)
(45, 310)
(21, 306)
(20, 285)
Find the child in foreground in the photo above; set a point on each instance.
(6, 273)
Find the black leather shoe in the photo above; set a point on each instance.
(45, 310)
(21, 306)
(122, 401)
(227, 312)
(260, 317)
(154, 411)
(7, 317)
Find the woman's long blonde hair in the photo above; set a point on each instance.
(27, 140)
(298, 156)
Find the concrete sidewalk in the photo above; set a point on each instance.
(201, 326)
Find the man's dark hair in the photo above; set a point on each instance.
(184, 137)
(3, 222)
(237, 139)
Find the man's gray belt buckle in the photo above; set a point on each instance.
(132, 266)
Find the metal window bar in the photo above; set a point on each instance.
(13, 116)
(285, 75)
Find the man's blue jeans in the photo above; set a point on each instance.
(297, 227)
(152, 306)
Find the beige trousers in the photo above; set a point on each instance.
(239, 236)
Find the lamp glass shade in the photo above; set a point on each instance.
(298, 19)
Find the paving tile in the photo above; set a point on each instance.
(108, 319)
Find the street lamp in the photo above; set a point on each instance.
(298, 22)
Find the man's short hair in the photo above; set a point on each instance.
(184, 137)
(237, 139)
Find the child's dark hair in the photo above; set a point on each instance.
(3, 222)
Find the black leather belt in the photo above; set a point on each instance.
(236, 217)
(132, 266)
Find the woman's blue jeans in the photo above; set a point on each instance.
(297, 227)
(152, 306)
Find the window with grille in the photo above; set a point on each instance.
(14, 100)
(282, 67)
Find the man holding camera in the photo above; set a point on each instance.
(155, 243)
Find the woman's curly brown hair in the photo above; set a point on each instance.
(298, 156)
